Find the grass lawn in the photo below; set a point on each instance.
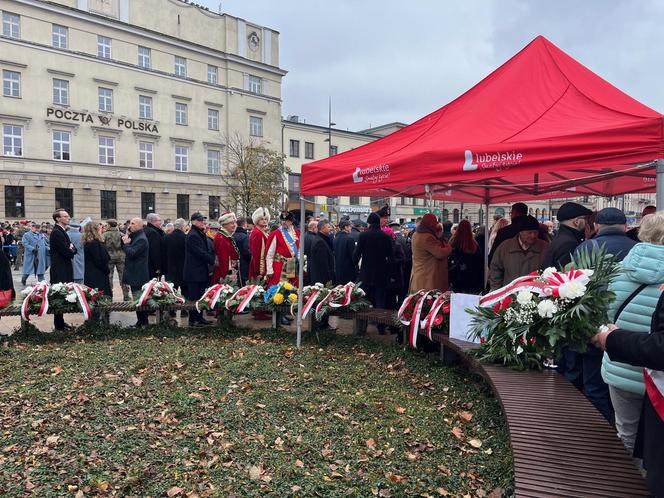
(234, 413)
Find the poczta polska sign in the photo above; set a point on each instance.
(84, 117)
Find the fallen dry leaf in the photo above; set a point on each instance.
(254, 473)
(465, 416)
(400, 409)
(137, 381)
(52, 440)
(295, 489)
(371, 443)
(174, 491)
(442, 491)
(458, 433)
(475, 443)
(56, 371)
(299, 463)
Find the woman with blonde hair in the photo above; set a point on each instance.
(96, 259)
(501, 223)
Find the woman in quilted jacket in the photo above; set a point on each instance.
(637, 290)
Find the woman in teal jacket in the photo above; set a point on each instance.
(637, 290)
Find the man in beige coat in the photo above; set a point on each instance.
(429, 257)
(519, 255)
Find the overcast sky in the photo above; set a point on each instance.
(388, 60)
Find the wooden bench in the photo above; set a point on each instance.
(561, 445)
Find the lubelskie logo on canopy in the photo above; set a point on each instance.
(490, 160)
(371, 174)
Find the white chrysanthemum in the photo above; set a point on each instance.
(571, 289)
(57, 287)
(546, 308)
(548, 273)
(71, 298)
(26, 291)
(524, 297)
(519, 350)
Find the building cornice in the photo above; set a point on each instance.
(324, 129)
(148, 33)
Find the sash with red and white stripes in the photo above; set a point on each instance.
(415, 322)
(527, 282)
(249, 291)
(307, 306)
(149, 287)
(82, 299)
(404, 307)
(40, 288)
(213, 294)
(346, 292)
(431, 317)
(654, 380)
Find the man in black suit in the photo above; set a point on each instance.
(374, 248)
(136, 271)
(199, 257)
(321, 257)
(62, 254)
(155, 235)
(174, 255)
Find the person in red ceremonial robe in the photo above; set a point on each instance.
(258, 243)
(282, 252)
(225, 248)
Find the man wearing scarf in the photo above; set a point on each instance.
(282, 252)
(258, 243)
(225, 249)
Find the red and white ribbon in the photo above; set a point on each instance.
(323, 302)
(558, 280)
(415, 322)
(149, 288)
(82, 299)
(40, 288)
(212, 294)
(404, 306)
(344, 290)
(306, 308)
(431, 317)
(528, 282)
(249, 291)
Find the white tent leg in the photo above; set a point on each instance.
(300, 275)
(486, 235)
(659, 198)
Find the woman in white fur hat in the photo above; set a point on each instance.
(225, 248)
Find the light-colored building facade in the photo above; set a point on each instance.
(115, 108)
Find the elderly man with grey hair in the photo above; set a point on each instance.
(174, 252)
(321, 261)
(155, 235)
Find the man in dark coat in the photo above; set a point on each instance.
(572, 218)
(241, 238)
(62, 254)
(374, 249)
(155, 235)
(344, 247)
(321, 257)
(174, 249)
(136, 272)
(199, 258)
(611, 225)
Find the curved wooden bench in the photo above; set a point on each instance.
(562, 446)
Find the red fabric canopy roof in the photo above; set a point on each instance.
(542, 125)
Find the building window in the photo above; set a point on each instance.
(108, 203)
(64, 199)
(308, 150)
(14, 201)
(180, 113)
(60, 91)
(377, 201)
(144, 107)
(294, 149)
(61, 145)
(294, 187)
(144, 57)
(60, 36)
(12, 140)
(183, 206)
(11, 25)
(180, 67)
(334, 150)
(455, 216)
(103, 47)
(213, 75)
(255, 126)
(105, 99)
(254, 84)
(213, 162)
(11, 84)
(213, 119)
(106, 150)
(181, 158)
(145, 151)
(147, 204)
(354, 200)
(213, 207)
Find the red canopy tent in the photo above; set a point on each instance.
(540, 126)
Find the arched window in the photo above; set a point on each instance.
(446, 214)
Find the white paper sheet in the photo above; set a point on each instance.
(459, 318)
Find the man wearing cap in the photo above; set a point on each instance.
(384, 215)
(634, 232)
(199, 259)
(611, 227)
(226, 249)
(519, 255)
(572, 218)
(282, 251)
(258, 243)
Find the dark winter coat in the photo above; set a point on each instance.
(174, 248)
(321, 260)
(156, 257)
(397, 268)
(613, 239)
(560, 250)
(645, 350)
(199, 257)
(241, 238)
(96, 267)
(6, 278)
(136, 271)
(466, 271)
(374, 248)
(61, 256)
(344, 267)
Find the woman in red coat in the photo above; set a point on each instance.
(258, 243)
(225, 248)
